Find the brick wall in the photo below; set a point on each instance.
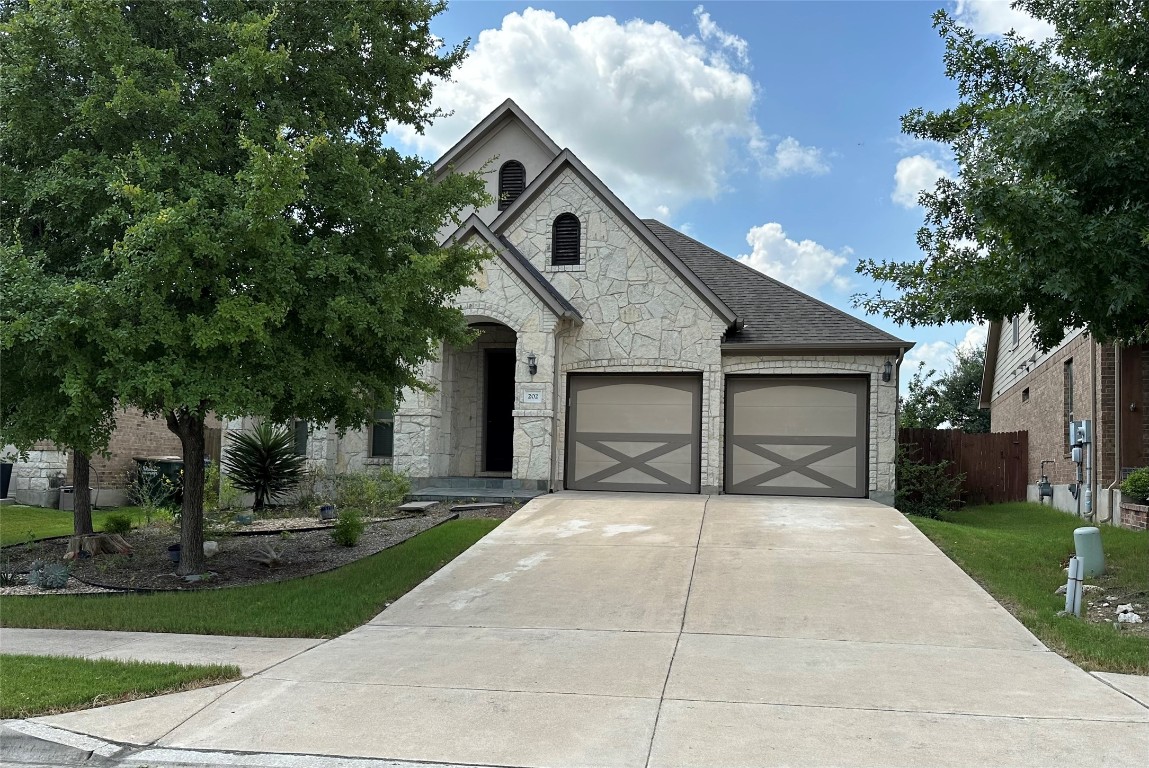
(135, 435)
(1043, 413)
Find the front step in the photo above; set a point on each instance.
(463, 495)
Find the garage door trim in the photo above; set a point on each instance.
(833, 444)
(661, 443)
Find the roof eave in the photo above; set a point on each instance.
(992, 342)
(502, 112)
(475, 225)
(750, 348)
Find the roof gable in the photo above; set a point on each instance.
(519, 265)
(490, 125)
(773, 314)
(567, 160)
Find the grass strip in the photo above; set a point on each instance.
(45, 685)
(1016, 552)
(19, 524)
(323, 605)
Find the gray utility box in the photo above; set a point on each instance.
(68, 498)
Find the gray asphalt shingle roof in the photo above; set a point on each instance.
(773, 313)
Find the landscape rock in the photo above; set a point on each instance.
(1125, 608)
(1060, 590)
(1129, 618)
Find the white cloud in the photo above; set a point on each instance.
(709, 30)
(914, 174)
(791, 158)
(661, 116)
(804, 265)
(996, 17)
(940, 355)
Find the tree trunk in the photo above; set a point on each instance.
(188, 426)
(81, 495)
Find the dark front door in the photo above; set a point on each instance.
(500, 401)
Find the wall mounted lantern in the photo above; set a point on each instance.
(531, 366)
(887, 371)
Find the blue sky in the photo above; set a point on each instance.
(767, 130)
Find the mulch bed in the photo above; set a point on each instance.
(304, 552)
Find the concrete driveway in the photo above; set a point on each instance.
(642, 630)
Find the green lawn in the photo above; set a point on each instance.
(1016, 552)
(324, 605)
(43, 685)
(18, 523)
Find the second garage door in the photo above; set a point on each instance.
(794, 436)
(634, 433)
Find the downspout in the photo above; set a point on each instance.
(1091, 449)
(1116, 430)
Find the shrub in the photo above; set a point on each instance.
(264, 462)
(373, 493)
(926, 490)
(1136, 486)
(348, 528)
(118, 523)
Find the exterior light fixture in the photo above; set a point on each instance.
(532, 367)
(887, 371)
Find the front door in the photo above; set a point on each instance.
(499, 424)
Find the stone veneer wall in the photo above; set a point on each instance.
(638, 316)
(31, 479)
(883, 437)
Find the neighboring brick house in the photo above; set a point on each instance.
(48, 467)
(614, 353)
(1078, 379)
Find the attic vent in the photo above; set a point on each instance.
(512, 182)
(565, 240)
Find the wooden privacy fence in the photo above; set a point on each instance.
(995, 464)
(213, 442)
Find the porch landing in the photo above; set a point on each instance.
(462, 489)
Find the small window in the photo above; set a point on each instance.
(299, 430)
(565, 240)
(1015, 329)
(383, 435)
(1025, 395)
(512, 182)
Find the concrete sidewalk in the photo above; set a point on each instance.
(641, 631)
(250, 654)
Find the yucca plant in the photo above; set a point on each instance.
(264, 462)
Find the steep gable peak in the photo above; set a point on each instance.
(497, 120)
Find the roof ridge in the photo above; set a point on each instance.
(775, 281)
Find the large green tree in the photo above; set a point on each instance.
(951, 397)
(53, 381)
(218, 172)
(1049, 212)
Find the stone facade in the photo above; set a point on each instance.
(37, 477)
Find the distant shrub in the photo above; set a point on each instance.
(348, 528)
(925, 490)
(1136, 486)
(118, 524)
(372, 493)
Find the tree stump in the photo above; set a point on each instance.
(97, 544)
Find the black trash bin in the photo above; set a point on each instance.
(5, 478)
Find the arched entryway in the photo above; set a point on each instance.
(479, 395)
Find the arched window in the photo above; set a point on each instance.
(565, 240)
(512, 182)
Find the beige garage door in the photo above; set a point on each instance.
(634, 433)
(793, 436)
